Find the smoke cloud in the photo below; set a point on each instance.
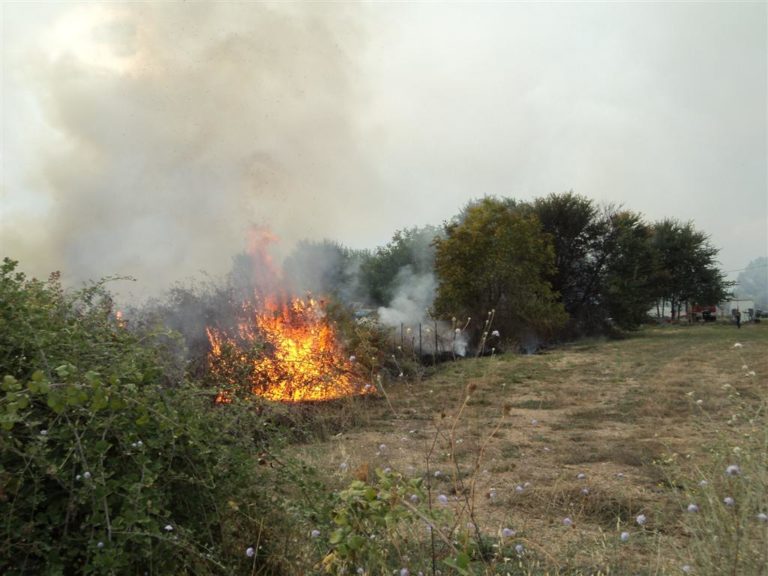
(178, 125)
(413, 298)
(143, 138)
(410, 307)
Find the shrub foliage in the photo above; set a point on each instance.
(109, 462)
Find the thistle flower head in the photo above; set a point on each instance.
(733, 470)
(567, 521)
(250, 552)
(693, 507)
(508, 532)
(728, 501)
(624, 536)
(641, 519)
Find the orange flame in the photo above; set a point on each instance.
(286, 352)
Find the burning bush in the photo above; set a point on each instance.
(285, 351)
(103, 467)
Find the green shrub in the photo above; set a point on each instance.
(107, 469)
(378, 525)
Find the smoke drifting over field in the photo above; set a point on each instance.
(178, 125)
(143, 138)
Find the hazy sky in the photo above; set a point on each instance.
(143, 138)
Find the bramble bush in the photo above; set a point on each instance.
(111, 462)
(374, 524)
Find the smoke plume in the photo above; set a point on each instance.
(410, 308)
(413, 297)
(177, 125)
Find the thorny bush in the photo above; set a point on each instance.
(104, 467)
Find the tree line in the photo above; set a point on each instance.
(561, 266)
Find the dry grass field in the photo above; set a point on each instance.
(568, 447)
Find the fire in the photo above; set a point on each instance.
(285, 351)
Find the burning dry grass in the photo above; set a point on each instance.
(593, 434)
(286, 351)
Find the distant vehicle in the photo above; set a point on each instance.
(706, 313)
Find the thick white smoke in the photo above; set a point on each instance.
(410, 308)
(174, 126)
(413, 298)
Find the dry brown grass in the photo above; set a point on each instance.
(614, 411)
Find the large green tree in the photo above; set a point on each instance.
(603, 261)
(496, 257)
(627, 288)
(579, 232)
(687, 271)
